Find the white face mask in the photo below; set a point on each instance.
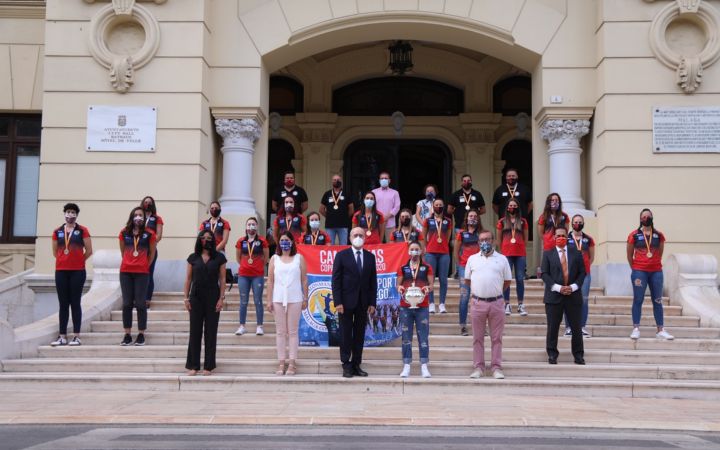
(358, 242)
(138, 220)
(70, 217)
(315, 224)
(414, 252)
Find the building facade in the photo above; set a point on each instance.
(563, 91)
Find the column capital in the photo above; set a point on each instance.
(566, 131)
(238, 131)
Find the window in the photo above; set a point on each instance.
(512, 96)
(286, 96)
(19, 177)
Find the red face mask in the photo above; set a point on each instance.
(561, 241)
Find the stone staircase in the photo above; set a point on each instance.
(688, 367)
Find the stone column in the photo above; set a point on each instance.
(564, 136)
(239, 137)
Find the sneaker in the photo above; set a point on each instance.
(140, 339)
(508, 309)
(240, 331)
(635, 333)
(477, 373)
(664, 335)
(568, 332)
(442, 308)
(432, 308)
(259, 330)
(586, 333)
(424, 371)
(127, 340)
(75, 342)
(406, 371)
(464, 331)
(59, 341)
(498, 374)
(521, 310)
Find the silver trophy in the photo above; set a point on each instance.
(414, 295)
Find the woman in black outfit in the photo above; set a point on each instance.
(204, 298)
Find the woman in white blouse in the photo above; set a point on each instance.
(287, 297)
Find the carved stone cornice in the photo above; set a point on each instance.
(316, 127)
(26, 9)
(238, 131)
(564, 131)
(479, 127)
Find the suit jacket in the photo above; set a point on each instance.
(552, 274)
(350, 287)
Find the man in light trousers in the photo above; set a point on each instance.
(488, 274)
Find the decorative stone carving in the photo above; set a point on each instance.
(687, 14)
(114, 31)
(235, 130)
(317, 134)
(564, 131)
(522, 122)
(275, 122)
(398, 122)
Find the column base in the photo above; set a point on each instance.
(573, 209)
(238, 206)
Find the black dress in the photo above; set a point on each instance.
(204, 294)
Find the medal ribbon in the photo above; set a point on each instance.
(648, 240)
(335, 199)
(136, 240)
(213, 225)
(438, 225)
(67, 237)
(467, 198)
(512, 191)
(414, 272)
(314, 237)
(578, 242)
(251, 247)
(369, 221)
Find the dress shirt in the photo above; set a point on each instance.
(556, 287)
(388, 204)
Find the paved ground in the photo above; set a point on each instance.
(77, 437)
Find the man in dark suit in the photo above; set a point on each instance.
(354, 288)
(563, 272)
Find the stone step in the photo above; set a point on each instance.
(595, 319)
(436, 341)
(373, 366)
(268, 352)
(439, 385)
(531, 307)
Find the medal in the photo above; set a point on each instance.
(213, 226)
(467, 207)
(369, 224)
(66, 251)
(67, 239)
(135, 253)
(512, 231)
(251, 247)
(250, 260)
(439, 239)
(438, 227)
(336, 199)
(648, 242)
(136, 240)
(368, 232)
(467, 200)
(511, 190)
(335, 207)
(649, 254)
(513, 240)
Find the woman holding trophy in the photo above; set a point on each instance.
(415, 281)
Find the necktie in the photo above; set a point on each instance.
(563, 263)
(358, 259)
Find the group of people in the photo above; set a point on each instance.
(485, 271)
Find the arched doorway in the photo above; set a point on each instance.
(412, 164)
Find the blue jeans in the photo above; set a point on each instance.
(440, 263)
(585, 289)
(518, 263)
(419, 318)
(341, 233)
(464, 295)
(640, 281)
(257, 284)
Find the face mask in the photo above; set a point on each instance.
(405, 221)
(512, 181)
(215, 212)
(315, 224)
(511, 211)
(647, 222)
(289, 184)
(467, 185)
(369, 203)
(554, 205)
(578, 226)
(358, 242)
(138, 220)
(289, 207)
(561, 241)
(414, 252)
(384, 182)
(208, 245)
(337, 184)
(70, 217)
(438, 209)
(430, 196)
(472, 222)
(285, 246)
(485, 247)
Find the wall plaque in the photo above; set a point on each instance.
(121, 128)
(686, 129)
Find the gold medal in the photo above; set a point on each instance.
(66, 251)
(335, 198)
(649, 254)
(251, 247)
(467, 207)
(368, 232)
(136, 253)
(648, 242)
(439, 240)
(335, 207)
(250, 260)
(513, 240)
(136, 241)
(67, 239)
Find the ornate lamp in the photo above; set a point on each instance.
(400, 57)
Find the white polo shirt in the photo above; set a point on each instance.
(487, 274)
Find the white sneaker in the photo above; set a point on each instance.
(521, 310)
(664, 335)
(431, 308)
(406, 371)
(498, 375)
(425, 372)
(259, 330)
(568, 332)
(75, 342)
(508, 309)
(442, 308)
(477, 373)
(586, 333)
(240, 331)
(59, 341)
(635, 333)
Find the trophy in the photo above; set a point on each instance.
(414, 295)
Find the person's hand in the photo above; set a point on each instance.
(566, 290)
(401, 290)
(371, 310)
(340, 309)
(304, 304)
(270, 307)
(187, 304)
(219, 305)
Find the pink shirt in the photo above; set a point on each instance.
(388, 203)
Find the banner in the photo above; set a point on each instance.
(319, 323)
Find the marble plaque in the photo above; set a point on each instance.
(686, 129)
(121, 128)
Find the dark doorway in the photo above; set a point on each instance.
(412, 164)
(280, 156)
(517, 155)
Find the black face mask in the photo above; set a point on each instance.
(337, 184)
(438, 210)
(405, 222)
(208, 245)
(647, 222)
(215, 213)
(578, 226)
